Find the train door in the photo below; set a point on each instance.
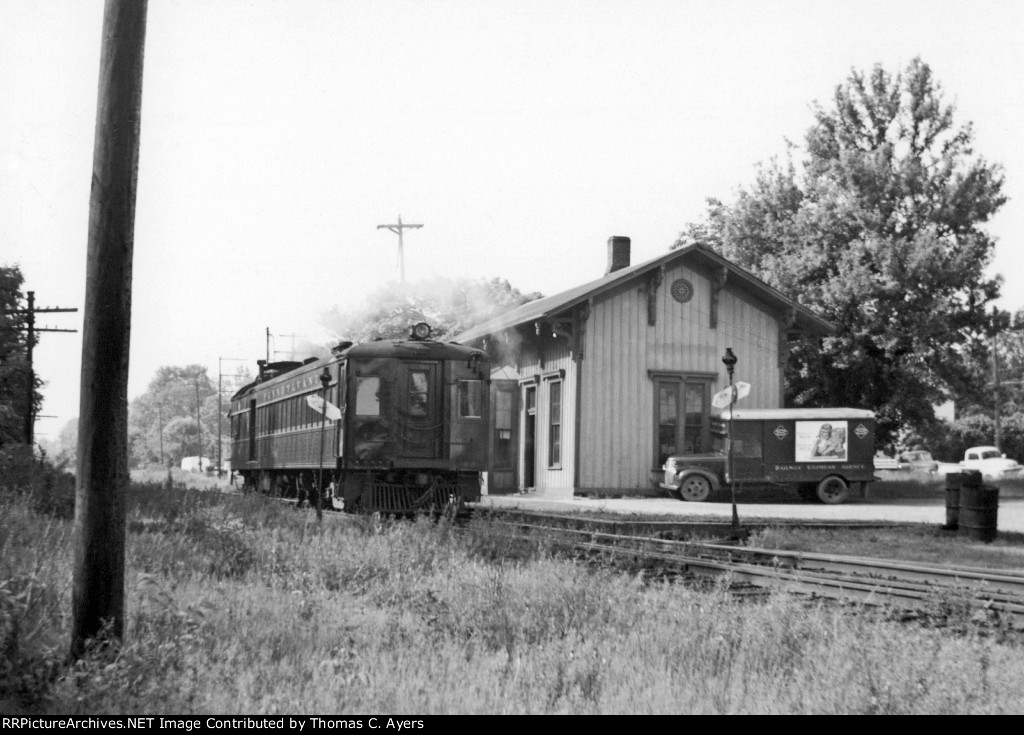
(421, 421)
(529, 436)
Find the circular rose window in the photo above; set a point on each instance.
(682, 290)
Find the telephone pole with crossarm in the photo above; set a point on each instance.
(30, 341)
(398, 230)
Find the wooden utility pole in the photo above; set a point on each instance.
(102, 477)
(199, 429)
(30, 342)
(995, 391)
(401, 254)
(220, 410)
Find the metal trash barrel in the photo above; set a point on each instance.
(979, 511)
(953, 480)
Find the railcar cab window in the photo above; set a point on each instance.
(471, 399)
(368, 396)
(418, 393)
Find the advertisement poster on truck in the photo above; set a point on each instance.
(821, 441)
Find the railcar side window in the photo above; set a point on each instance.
(471, 398)
(417, 393)
(368, 396)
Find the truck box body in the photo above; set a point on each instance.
(800, 445)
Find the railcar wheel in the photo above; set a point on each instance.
(695, 489)
(833, 490)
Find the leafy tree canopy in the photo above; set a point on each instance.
(162, 421)
(879, 229)
(14, 358)
(449, 306)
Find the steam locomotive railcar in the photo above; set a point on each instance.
(405, 425)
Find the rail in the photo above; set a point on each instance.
(872, 581)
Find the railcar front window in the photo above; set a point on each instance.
(368, 396)
(470, 398)
(417, 393)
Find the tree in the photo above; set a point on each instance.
(167, 411)
(880, 230)
(14, 401)
(450, 306)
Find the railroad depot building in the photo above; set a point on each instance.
(592, 388)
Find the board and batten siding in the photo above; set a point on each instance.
(556, 357)
(621, 350)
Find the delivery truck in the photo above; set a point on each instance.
(824, 453)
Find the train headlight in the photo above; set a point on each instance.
(421, 331)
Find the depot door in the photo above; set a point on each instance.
(504, 436)
(529, 440)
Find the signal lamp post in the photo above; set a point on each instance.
(730, 360)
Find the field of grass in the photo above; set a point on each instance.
(241, 605)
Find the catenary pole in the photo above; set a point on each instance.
(102, 476)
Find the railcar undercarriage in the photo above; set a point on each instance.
(370, 491)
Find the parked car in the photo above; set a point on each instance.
(992, 464)
(919, 460)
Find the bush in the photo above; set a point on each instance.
(50, 487)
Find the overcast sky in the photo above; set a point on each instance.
(277, 135)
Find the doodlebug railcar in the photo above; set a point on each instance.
(392, 426)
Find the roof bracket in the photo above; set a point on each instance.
(721, 276)
(651, 291)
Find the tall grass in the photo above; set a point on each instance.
(236, 605)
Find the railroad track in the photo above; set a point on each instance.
(677, 529)
(878, 582)
(675, 549)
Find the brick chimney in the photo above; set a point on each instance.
(618, 253)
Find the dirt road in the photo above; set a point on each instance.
(927, 506)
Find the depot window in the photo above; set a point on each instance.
(555, 425)
(682, 406)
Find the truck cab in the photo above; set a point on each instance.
(993, 464)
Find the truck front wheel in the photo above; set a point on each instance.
(695, 489)
(833, 490)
